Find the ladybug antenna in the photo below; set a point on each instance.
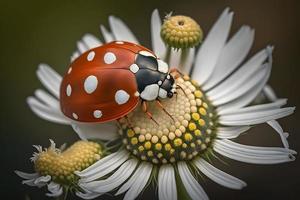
(149, 114)
(176, 95)
(179, 87)
(165, 111)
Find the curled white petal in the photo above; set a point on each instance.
(42, 179)
(253, 154)
(55, 189)
(276, 126)
(27, 175)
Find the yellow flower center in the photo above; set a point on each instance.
(62, 165)
(189, 135)
(181, 32)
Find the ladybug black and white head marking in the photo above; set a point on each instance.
(168, 87)
(153, 78)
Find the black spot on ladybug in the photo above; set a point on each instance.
(146, 62)
(145, 77)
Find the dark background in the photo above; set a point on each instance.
(46, 31)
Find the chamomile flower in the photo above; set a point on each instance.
(213, 106)
(55, 167)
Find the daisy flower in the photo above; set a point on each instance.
(213, 106)
(54, 167)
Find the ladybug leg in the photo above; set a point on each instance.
(128, 122)
(119, 123)
(145, 109)
(176, 73)
(165, 111)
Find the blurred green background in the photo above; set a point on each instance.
(32, 32)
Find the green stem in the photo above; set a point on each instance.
(66, 191)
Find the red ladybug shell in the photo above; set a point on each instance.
(99, 85)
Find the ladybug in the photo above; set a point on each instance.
(107, 82)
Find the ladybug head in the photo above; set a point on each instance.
(168, 87)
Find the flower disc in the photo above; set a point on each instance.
(189, 135)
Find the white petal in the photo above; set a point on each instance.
(211, 47)
(30, 182)
(112, 182)
(137, 182)
(255, 108)
(253, 154)
(49, 78)
(191, 185)
(166, 183)
(75, 55)
(27, 175)
(55, 190)
(239, 78)
(251, 94)
(244, 99)
(275, 125)
(269, 93)
(46, 112)
(250, 83)
(81, 47)
(158, 45)
(91, 41)
(42, 179)
(108, 37)
(231, 56)
(231, 132)
(87, 195)
(219, 176)
(103, 166)
(121, 31)
(47, 98)
(256, 117)
(103, 131)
